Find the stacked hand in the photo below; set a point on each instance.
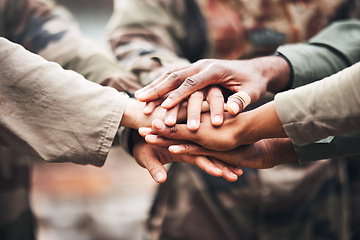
(249, 139)
(153, 157)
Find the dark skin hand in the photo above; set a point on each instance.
(153, 158)
(247, 79)
(266, 153)
(245, 128)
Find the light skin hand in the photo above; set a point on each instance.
(245, 128)
(134, 117)
(252, 77)
(265, 153)
(154, 157)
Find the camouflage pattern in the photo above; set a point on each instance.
(145, 34)
(45, 28)
(285, 202)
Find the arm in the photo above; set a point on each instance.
(54, 114)
(330, 51)
(328, 107)
(307, 114)
(59, 116)
(244, 128)
(147, 36)
(49, 30)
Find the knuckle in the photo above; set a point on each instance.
(197, 94)
(172, 130)
(190, 82)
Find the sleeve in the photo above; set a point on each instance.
(52, 113)
(48, 29)
(339, 146)
(145, 35)
(333, 49)
(329, 107)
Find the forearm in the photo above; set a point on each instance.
(260, 123)
(330, 51)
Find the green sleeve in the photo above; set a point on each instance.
(333, 49)
(339, 146)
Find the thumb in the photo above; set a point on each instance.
(238, 102)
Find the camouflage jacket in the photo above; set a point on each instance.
(285, 202)
(47, 29)
(147, 34)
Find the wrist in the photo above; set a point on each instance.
(276, 72)
(261, 123)
(132, 114)
(279, 151)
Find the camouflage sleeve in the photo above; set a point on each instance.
(146, 35)
(47, 29)
(332, 50)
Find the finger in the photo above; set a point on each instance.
(171, 115)
(216, 102)
(155, 168)
(166, 83)
(147, 159)
(191, 84)
(178, 131)
(194, 110)
(150, 106)
(227, 173)
(238, 102)
(236, 170)
(143, 131)
(161, 141)
(194, 149)
(208, 166)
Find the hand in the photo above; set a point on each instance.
(245, 128)
(265, 153)
(249, 79)
(154, 157)
(196, 105)
(134, 117)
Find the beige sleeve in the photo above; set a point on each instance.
(329, 107)
(52, 113)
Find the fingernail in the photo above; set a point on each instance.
(144, 130)
(159, 125)
(139, 95)
(147, 109)
(193, 124)
(159, 176)
(233, 175)
(176, 148)
(166, 103)
(234, 107)
(151, 137)
(217, 119)
(170, 120)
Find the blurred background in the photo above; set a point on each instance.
(85, 202)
